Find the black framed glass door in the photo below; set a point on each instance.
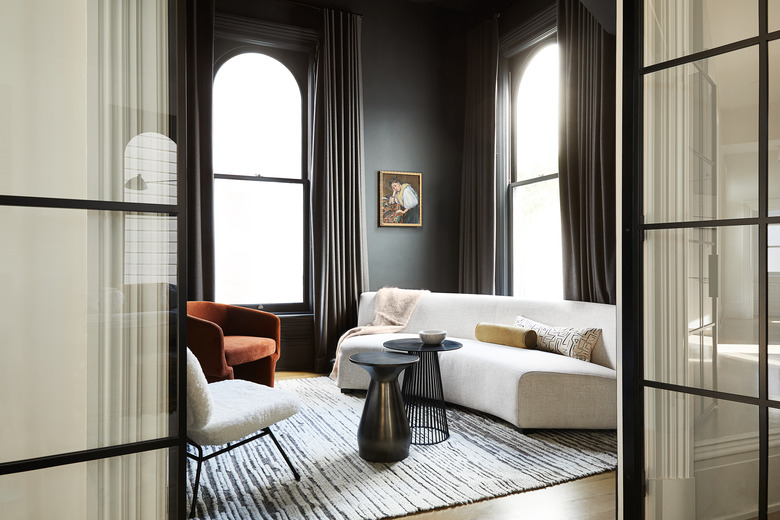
(91, 222)
(700, 365)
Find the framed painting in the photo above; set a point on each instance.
(400, 199)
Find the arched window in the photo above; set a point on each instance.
(260, 186)
(537, 270)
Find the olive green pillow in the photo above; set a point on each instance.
(506, 335)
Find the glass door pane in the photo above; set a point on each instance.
(687, 280)
(79, 80)
(774, 15)
(96, 331)
(700, 469)
(77, 491)
(773, 149)
(676, 28)
(88, 272)
(701, 139)
(706, 294)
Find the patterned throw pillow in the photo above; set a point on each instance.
(576, 343)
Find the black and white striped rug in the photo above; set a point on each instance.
(483, 458)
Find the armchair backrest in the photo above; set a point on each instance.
(199, 401)
(210, 311)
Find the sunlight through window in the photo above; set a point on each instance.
(258, 219)
(537, 270)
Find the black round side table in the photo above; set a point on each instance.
(422, 390)
(383, 434)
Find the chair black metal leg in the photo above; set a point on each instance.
(200, 458)
(197, 480)
(286, 459)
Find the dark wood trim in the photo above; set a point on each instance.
(297, 343)
(267, 34)
(527, 35)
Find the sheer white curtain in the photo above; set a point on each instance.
(669, 445)
(132, 255)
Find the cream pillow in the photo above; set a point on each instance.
(576, 343)
(505, 335)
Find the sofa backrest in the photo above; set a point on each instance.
(459, 314)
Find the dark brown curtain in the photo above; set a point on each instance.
(200, 183)
(338, 215)
(587, 155)
(478, 181)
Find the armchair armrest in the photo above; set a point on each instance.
(206, 341)
(251, 322)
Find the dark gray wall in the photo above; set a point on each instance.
(414, 97)
(413, 80)
(515, 13)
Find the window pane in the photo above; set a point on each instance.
(701, 139)
(95, 341)
(701, 324)
(259, 232)
(536, 107)
(537, 268)
(701, 457)
(131, 486)
(675, 28)
(257, 118)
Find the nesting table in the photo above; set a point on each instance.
(422, 390)
(383, 434)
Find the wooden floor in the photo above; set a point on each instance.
(591, 498)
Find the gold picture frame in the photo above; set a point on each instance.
(397, 190)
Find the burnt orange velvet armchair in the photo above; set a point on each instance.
(233, 342)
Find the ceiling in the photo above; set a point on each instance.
(605, 11)
(465, 6)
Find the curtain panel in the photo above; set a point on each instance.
(337, 173)
(478, 181)
(200, 175)
(587, 155)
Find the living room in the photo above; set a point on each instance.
(100, 256)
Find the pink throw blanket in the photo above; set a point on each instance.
(392, 309)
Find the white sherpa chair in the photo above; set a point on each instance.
(227, 411)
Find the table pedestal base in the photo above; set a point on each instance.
(383, 434)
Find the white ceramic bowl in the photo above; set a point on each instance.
(432, 336)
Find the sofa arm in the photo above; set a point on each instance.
(206, 341)
(250, 322)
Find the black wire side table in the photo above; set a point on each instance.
(422, 389)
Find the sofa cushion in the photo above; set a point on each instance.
(505, 335)
(576, 343)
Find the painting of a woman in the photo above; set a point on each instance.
(400, 203)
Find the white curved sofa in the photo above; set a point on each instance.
(528, 388)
